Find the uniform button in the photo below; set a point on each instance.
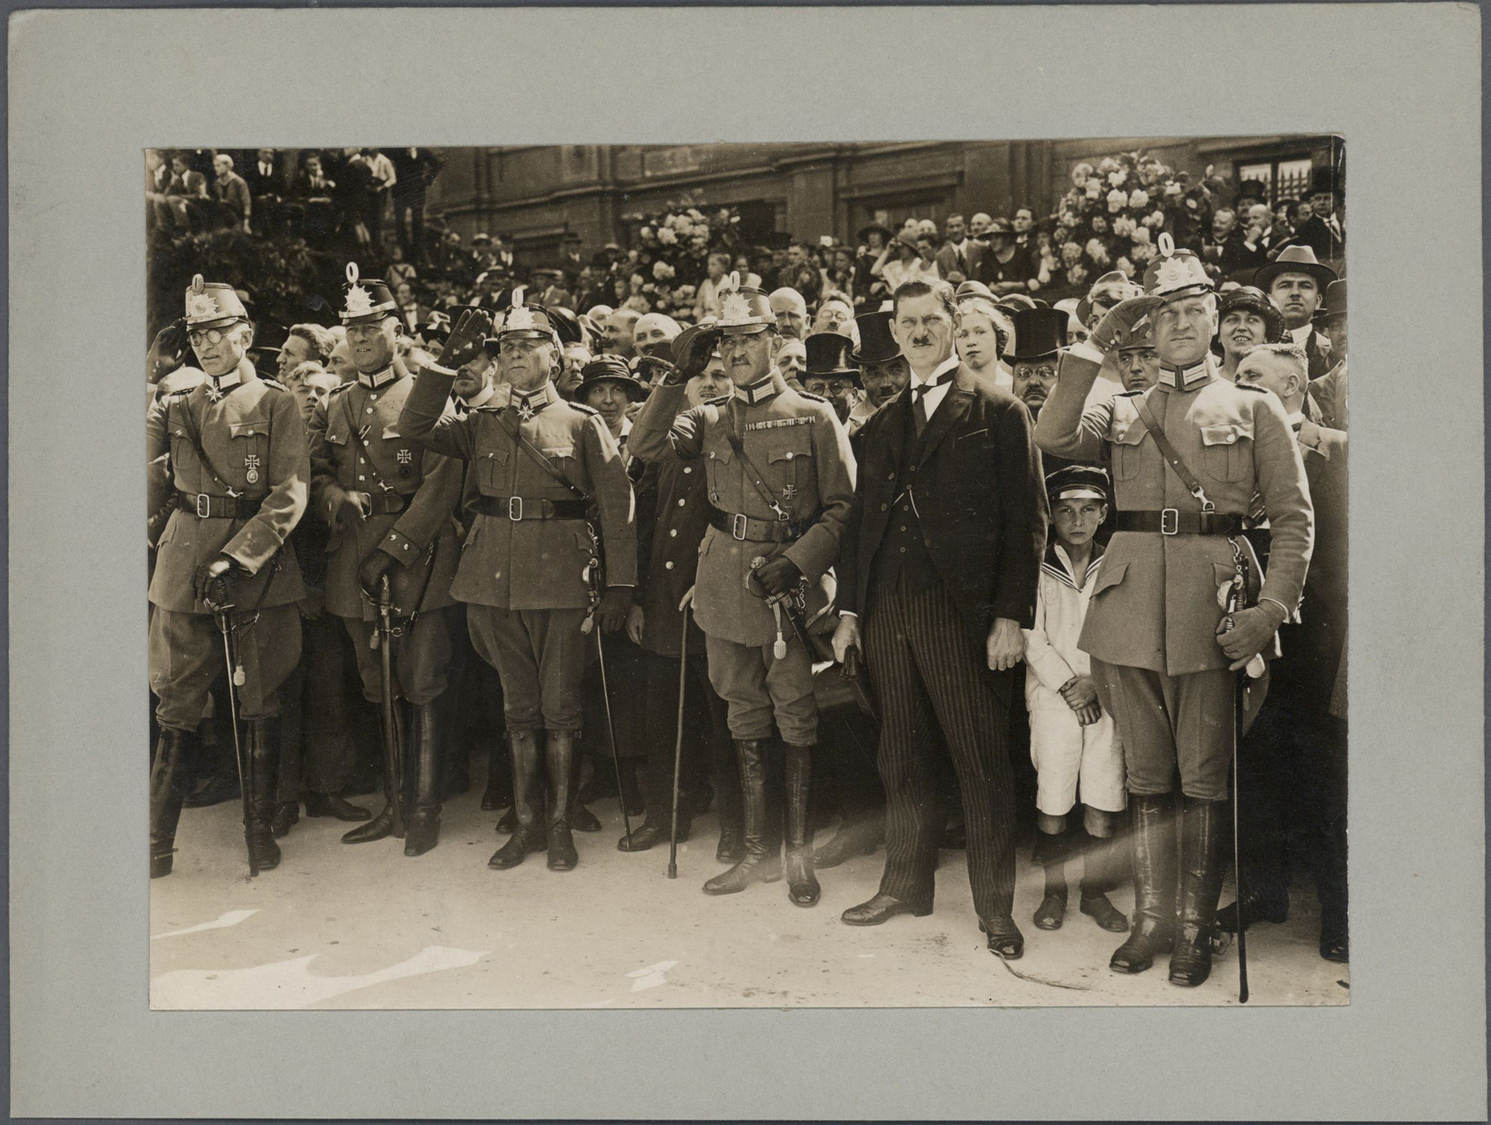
(714, 495)
(903, 549)
(884, 506)
(362, 478)
(903, 527)
(370, 410)
(673, 533)
(668, 565)
(681, 503)
(688, 469)
(1231, 438)
(891, 476)
(711, 456)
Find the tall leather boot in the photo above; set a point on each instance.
(802, 884)
(562, 757)
(761, 863)
(389, 822)
(1152, 834)
(1201, 843)
(422, 767)
(170, 775)
(528, 829)
(262, 751)
(499, 791)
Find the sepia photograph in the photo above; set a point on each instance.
(748, 575)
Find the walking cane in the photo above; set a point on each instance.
(611, 730)
(224, 615)
(683, 663)
(1239, 696)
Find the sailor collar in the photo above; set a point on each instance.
(1058, 565)
(378, 378)
(1185, 378)
(763, 390)
(530, 403)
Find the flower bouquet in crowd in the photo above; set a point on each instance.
(1112, 215)
(673, 247)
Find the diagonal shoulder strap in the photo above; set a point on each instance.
(189, 423)
(538, 458)
(1172, 457)
(736, 444)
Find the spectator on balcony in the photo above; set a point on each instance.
(707, 299)
(869, 287)
(186, 199)
(960, 256)
(399, 267)
(414, 170)
(232, 191)
(267, 189)
(1024, 228)
(1007, 267)
(1222, 248)
(902, 261)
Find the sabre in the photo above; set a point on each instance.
(683, 663)
(1236, 596)
(224, 615)
(392, 752)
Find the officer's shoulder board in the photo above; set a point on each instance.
(1250, 387)
(583, 409)
(811, 397)
(275, 383)
(723, 400)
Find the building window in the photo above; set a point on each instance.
(1287, 178)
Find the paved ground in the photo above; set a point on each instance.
(364, 927)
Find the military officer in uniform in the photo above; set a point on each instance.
(231, 454)
(391, 509)
(781, 480)
(531, 554)
(1163, 655)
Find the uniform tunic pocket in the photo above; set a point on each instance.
(1227, 450)
(1128, 454)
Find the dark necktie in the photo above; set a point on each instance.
(918, 400)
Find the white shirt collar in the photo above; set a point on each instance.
(1301, 334)
(482, 397)
(949, 364)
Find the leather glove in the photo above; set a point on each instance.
(348, 509)
(691, 350)
(167, 349)
(1251, 630)
(372, 570)
(1119, 321)
(210, 583)
(610, 614)
(778, 575)
(467, 338)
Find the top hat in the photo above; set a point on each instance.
(1077, 482)
(367, 300)
(609, 369)
(567, 325)
(1295, 259)
(1325, 179)
(828, 354)
(437, 328)
(212, 304)
(1335, 302)
(885, 232)
(1175, 273)
(1256, 189)
(1112, 287)
(1255, 300)
(876, 344)
(1038, 333)
(744, 310)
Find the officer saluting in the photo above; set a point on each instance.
(1161, 660)
(525, 572)
(231, 453)
(390, 507)
(781, 481)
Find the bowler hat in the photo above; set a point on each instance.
(1254, 300)
(367, 299)
(1015, 302)
(567, 325)
(609, 369)
(1294, 259)
(213, 304)
(1253, 189)
(1335, 302)
(876, 344)
(828, 354)
(1038, 333)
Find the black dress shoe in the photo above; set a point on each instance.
(582, 819)
(1257, 906)
(1051, 911)
(562, 854)
(285, 814)
(1190, 963)
(326, 804)
(213, 791)
(1104, 913)
(1334, 945)
(1005, 938)
(648, 836)
(881, 909)
(517, 848)
(860, 837)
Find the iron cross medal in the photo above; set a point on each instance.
(406, 459)
(251, 463)
(789, 492)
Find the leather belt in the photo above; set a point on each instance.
(742, 527)
(206, 506)
(1172, 521)
(519, 508)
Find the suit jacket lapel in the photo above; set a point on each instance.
(954, 407)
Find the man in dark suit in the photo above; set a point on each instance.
(415, 169)
(1292, 765)
(1297, 281)
(960, 256)
(937, 577)
(267, 188)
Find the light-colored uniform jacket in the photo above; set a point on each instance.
(253, 430)
(801, 448)
(1155, 604)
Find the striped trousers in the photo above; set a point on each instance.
(930, 675)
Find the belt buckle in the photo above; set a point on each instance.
(1169, 521)
(204, 506)
(515, 508)
(738, 526)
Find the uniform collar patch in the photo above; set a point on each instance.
(1185, 378)
(761, 391)
(378, 378)
(532, 402)
(219, 385)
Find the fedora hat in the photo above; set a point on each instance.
(1295, 259)
(1335, 302)
(876, 344)
(1038, 333)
